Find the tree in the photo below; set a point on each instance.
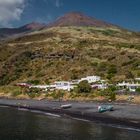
(110, 93)
(84, 87)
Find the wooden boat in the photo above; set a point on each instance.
(66, 106)
(102, 109)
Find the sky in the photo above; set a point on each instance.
(15, 13)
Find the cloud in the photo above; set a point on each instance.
(10, 10)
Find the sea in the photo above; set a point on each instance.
(22, 124)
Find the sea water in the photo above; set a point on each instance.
(27, 125)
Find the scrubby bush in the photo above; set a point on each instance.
(84, 87)
(109, 93)
(138, 90)
(34, 90)
(33, 95)
(57, 94)
(15, 91)
(112, 69)
(35, 82)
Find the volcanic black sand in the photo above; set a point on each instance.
(123, 114)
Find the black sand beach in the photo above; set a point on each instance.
(124, 114)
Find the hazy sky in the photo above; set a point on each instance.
(125, 13)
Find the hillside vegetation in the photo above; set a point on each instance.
(64, 53)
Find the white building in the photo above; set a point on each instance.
(44, 87)
(23, 84)
(131, 86)
(64, 85)
(137, 79)
(59, 85)
(91, 79)
(99, 86)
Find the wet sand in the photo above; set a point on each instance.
(124, 114)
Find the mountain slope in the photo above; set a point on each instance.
(64, 53)
(74, 46)
(79, 19)
(69, 19)
(6, 32)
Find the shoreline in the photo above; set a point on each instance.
(124, 114)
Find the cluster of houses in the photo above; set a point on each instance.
(95, 81)
(129, 86)
(68, 85)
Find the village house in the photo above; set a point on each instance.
(23, 84)
(137, 79)
(91, 79)
(130, 86)
(64, 85)
(43, 87)
(99, 86)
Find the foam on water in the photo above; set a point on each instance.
(120, 127)
(4, 106)
(54, 115)
(45, 113)
(111, 125)
(78, 119)
(23, 109)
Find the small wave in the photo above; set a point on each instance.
(78, 119)
(111, 125)
(122, 127)
(54, 115)
(23, 109)
(4, 106)
(45, 113)
(36, 111)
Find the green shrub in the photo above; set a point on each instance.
(112, 96)
(109, 93)
(57, 94)
(35, 82)
(16, 93)
(138, 90)
(34, 90)
(33, 95)
(84, 87)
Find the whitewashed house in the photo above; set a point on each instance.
(130, 86)
(133, 87)
(43, 87)
(137, 79)
(23, 84)
(64, 85)
(91, 79)
(99, 86)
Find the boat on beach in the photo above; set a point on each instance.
(105, 108)
(66, 106)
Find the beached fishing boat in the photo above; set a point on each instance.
(105, 108)
(66, 106)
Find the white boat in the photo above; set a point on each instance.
(66, 106)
